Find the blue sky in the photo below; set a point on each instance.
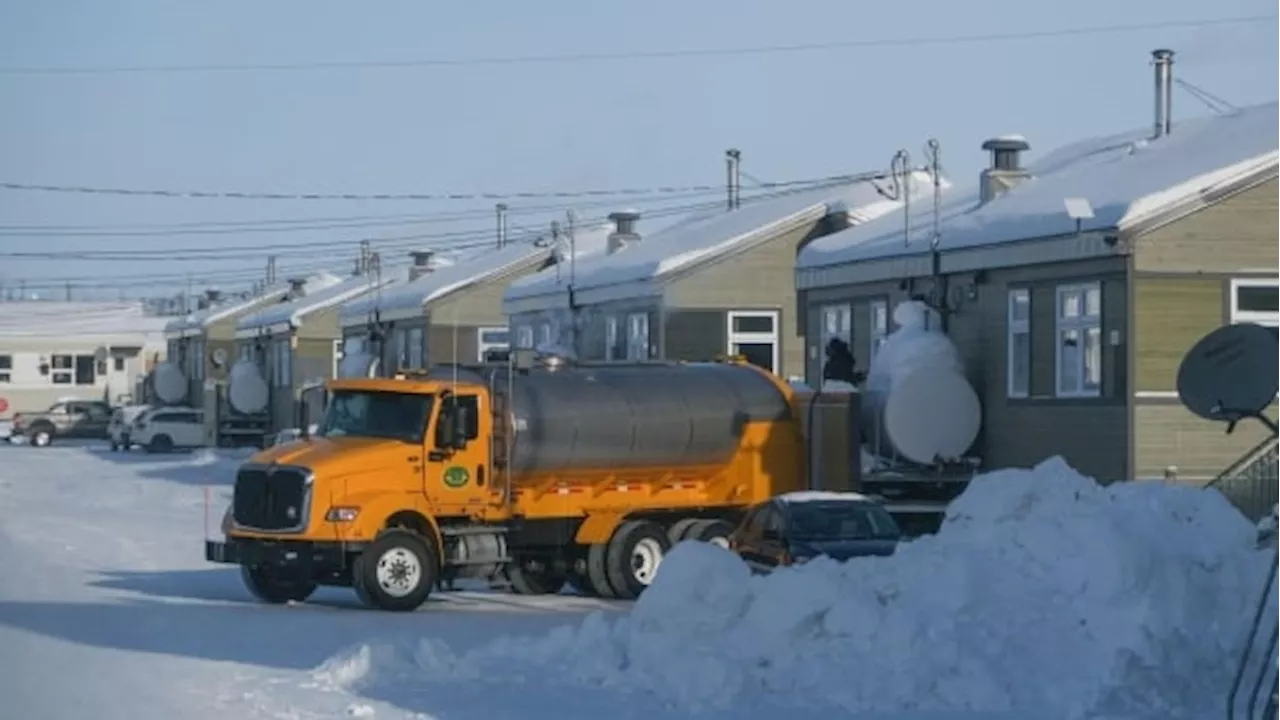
(539, 126)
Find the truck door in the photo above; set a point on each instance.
(458, 479)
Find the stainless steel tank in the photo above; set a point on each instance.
(629, 416)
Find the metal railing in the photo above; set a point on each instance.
(1251, 483)
(1266, 678)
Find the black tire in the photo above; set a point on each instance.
(395, 552)
(598, 572)
(160, 444)
(529, 581)
(709, 531)
(115, 447)
(680, 530)
(269, 586)
(634, 540)
(40, 435)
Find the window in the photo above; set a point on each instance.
(62, 369)
(524, 337)
(615, 347)
(492, 341)
(638, 336)
(1256, 301)
(6, 368)
(470, 404)
(1079, 340)
(546, 331)
(837, 322)
(754, 335)
(879, 325)
(415, 351)
(195, 360)
(281, 363)
(336, 363)
(246, 353)
(399, 349)
(1018, 361)
(117, 363)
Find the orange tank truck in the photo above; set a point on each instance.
(533, 478)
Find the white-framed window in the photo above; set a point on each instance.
(118, 363)
(492, 339)
(524, 336)
(399, 347)
(338, 350)
(1018, 356)
(614, 347)
(754, 335)
(879, 321)
(415, 348)
(546, 332)
(1256, 300)
(638, 336)
(837, 322)
(6, 369)
(281, 363)
(1078, 331)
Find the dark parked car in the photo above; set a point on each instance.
(64, 419)
(796, 527)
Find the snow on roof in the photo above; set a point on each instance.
(473, 267)
(1127, 178)
(1128, 588)
(808, 496)
(292, 312)
(104, 322)
(202, 319)
(707, 236)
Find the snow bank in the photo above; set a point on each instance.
(1043, 595)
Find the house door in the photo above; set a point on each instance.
(85, 369)
(754, 335)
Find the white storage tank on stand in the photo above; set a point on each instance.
(920, 416)
(169, 384)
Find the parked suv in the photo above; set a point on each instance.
(121, 425)
(166, 428)
(796, 527)
(64, 419)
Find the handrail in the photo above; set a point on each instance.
(1250, 457)
(1250, 643)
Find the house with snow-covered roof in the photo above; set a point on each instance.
(449, 309)
(1074, 285)
(202, 345)
(712, 284)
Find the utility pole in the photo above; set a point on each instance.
(68, 292)
(733, 166)
(271, 270)
(555, 246)
(501, 209)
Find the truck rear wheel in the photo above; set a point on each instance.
(680, 529)
(269, 586)
(635, 552)
(396, 572)
(529, 581)
(598, 571)
(715, 532)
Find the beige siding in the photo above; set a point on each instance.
(320, 325)
(1236, 234)
(1170, 315)
(760, 278)
(478, 305)
(1167, 434)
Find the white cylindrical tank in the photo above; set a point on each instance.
(169, 383)
(247, 391)
(356, 364)
(917, 404)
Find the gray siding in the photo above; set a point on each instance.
(1236, 234)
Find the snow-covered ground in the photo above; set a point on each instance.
(1044, 596)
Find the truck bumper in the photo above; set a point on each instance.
(307, 557)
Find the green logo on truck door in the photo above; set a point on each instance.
(456, 476)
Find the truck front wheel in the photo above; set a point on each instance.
(270, 587)
(396, 572)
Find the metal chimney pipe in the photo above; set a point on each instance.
(502, 224)
(733, 165)
(1164, 91)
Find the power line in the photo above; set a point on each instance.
(639, 54)
(242, 195)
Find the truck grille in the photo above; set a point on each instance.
(274, 500)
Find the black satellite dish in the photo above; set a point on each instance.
(1230, 374)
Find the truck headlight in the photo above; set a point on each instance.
(342, 514)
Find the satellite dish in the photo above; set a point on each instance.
(169, 383)
(219, 357)
(248, 391)
(358, 364)
(1230, 373)
(101, 354)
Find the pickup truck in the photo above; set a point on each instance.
(64, 419)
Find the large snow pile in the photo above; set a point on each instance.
(1044, 594)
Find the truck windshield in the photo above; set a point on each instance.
(841, 521)
(390, 415)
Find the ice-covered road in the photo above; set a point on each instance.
(108, 610)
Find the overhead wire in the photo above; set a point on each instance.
(633, 55)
